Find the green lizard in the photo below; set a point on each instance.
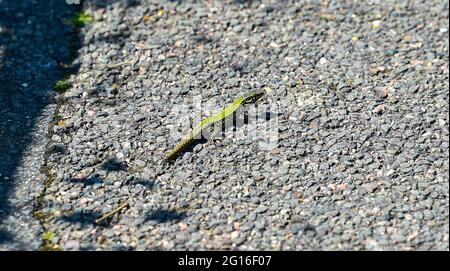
(207, 122)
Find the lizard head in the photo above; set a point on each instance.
(253, 96)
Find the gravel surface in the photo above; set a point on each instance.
(358, 111)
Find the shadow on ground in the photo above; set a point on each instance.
(85, 217)
(34, 44)
(88, 217)
(162, 216)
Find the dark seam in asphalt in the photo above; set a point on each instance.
(46, 169)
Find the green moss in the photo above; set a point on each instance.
(81, 18)
(48, 244)
(47, 236)
(43, 217)
(40, 215)
(62, 85)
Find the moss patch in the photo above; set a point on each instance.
(81, 18)
(62, 85)
(48, 244)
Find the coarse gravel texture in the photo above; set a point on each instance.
(360, 98)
